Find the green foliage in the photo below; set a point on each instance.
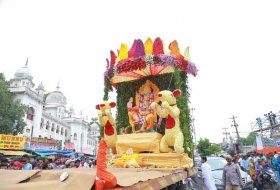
(107, 89)
(180, 80)
(215, 148)
(11, 112)
(45, 96)
(171, 81)
(205, 148)
(249, 140)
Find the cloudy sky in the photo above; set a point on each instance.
(235, 45)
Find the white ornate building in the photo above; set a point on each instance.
(50, 119)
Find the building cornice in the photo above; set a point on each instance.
(76, 120)
(27, 91)
(48, 116)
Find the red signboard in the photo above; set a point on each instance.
(69, 146)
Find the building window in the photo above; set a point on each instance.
(65, 133)
(27, 130)
(42, 124)
(52, 127)
(57, 129)
(47, 125)
(62, 131)
(30, 113)
(75, 136)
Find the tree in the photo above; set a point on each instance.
(249, 140)
(11, 111)
(206, 148)
(94, 120)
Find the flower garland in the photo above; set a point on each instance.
(140, 63)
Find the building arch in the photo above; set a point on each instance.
(62, 131)
(53, 128)
(57, 129)
(42, 124)
(30, 113)
(48, 125)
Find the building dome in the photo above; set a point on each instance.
(40, 86)
(56, 98)
(95, 127)
(23, 73)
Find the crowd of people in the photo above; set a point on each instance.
(40, 163)
(256, 164)
(253, 164)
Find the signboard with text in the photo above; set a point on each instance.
(12, 142)
(44, 144)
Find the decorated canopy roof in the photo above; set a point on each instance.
(147, 59)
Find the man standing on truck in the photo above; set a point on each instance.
(208, 181)
(231, 175)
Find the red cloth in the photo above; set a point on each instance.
(18, 164)
(106, 179)
(268, 150)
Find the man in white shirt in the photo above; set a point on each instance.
(208, 180)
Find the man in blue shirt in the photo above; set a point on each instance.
(25, 160)
(245, 164)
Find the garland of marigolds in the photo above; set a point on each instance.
(125, 90)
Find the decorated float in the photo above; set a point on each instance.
(152, 125)
(148, 145)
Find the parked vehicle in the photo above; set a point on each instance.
(269, 181)
(217, 165)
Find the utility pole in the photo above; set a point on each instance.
(235, 125)
(193, 127)
(226, 133)
(232, 144)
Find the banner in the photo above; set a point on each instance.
(259, 142)
(44, 144)
(12, 142)
(69, 146)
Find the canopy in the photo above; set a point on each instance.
(147, 59)
(13, 153)
(54, 152)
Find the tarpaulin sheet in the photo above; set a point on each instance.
(13, 152)
(79, 179)
(83, 179)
